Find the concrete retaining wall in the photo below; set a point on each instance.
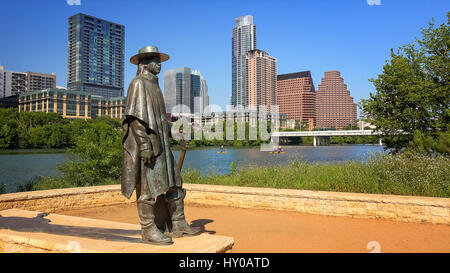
(389, 207)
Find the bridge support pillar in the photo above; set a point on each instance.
(321, 140)
(325, 141)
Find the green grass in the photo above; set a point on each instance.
(401, 174)
(382, 174)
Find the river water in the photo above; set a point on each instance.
(17, 168)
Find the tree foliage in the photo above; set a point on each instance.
(97, 155)
(33, 130)
(412, 96)
(94, 159)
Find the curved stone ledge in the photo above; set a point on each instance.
(64, 199)
(389, 207)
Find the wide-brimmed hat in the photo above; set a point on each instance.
(149, 51)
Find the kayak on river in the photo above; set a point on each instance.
(222, 150)
(277, 150)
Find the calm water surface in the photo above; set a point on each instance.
(16, 169)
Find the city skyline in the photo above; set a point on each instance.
(349, 37)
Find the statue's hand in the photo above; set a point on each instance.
(184, 144)
(147, 156)
(156, 144)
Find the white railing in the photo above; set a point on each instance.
(326, 133)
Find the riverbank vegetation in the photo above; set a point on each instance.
(96, 159)
(403, 174)
(400, 174)
(36, 130)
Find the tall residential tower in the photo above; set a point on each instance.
(261, 80)
(243, 41)
(95, 56)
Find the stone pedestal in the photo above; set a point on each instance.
(23, 231)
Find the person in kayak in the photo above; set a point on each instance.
(279, 150)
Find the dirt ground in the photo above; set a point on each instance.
(280, 231)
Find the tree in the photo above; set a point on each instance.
(412, 93)
(96, 157)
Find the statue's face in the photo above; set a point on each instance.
(152, 65)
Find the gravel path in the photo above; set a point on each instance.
(281, 231)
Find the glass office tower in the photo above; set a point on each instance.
(186, 87)
(95, 56)
(243, 40)
(199, 89)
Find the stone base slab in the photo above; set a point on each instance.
(22, 231)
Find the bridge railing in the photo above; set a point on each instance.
(326, 133)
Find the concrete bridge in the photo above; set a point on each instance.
(323, 137)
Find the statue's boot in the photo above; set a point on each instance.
(150, 232)
(179, 225)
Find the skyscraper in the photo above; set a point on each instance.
(243, 40)
(183, 87)
(95, 56)
(177, 89)
(199, 91)
(261, 80)
(296, 96)
(334, 105)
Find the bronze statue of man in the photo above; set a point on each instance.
(148, 163)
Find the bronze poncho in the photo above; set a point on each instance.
(145, 105)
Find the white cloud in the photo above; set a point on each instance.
(73, 2)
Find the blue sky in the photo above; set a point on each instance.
(346, 35)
